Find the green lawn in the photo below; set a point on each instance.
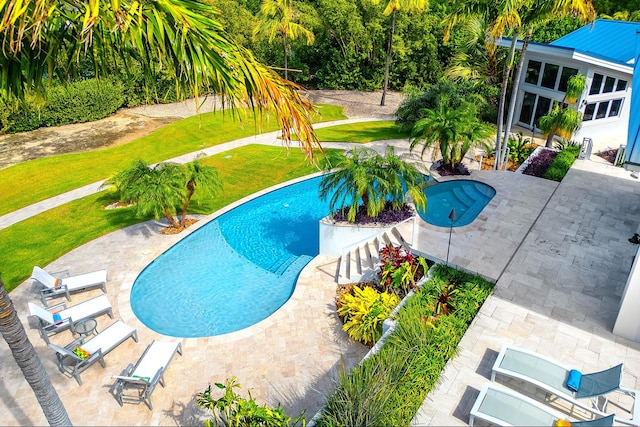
(362, 132)
(36, 180)
(41, 239)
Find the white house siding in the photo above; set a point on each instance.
(608, 131)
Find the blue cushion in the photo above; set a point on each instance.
(57, 319)
(573, 380)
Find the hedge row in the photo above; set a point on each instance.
(78, 102)
(562, 163)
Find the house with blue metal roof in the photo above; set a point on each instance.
(605, 52)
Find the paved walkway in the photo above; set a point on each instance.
(557, 294)
(559, 253)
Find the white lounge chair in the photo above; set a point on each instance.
(95, 349)
(49, 325)
(63, 284)
(551, 377)
(503, 407)
(136, 383)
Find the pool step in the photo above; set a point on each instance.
(361, 263)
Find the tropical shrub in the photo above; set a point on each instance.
(400, 270)
(388, 215)
(538, 165)
(77, 102)
(231, 410)
(159, 190)
(364, 311)
(392, 384)
(365, 178)
(454, 94)
(453, 132)
(520, 147)
(562, 163)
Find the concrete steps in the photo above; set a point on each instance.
(361, 262)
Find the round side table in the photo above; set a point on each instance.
(85, 327)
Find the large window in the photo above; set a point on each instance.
(615, 107)
(549, 76)
(608, 85)
(533, 107)
(595, 84)
(602, 109)
(533, 72)
(565, 75)
(611, 84)
(622, 85)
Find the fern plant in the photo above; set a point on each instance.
(364, 311)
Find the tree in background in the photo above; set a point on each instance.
(181, 37)
(280, 18)
(411, 6)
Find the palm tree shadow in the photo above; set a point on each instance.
(14, 407)
(189, 414)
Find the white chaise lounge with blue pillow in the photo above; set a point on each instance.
(566, 383)
(57, 318)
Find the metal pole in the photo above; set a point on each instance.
(452, 217)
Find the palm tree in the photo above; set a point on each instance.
(520, 17)
(27, 359)
(411, 6)
(278, 18)
(562, 121)
(180, 37)
(453, 131)
(199, 176)
(176, 36)
(365, 178)
(528, 15)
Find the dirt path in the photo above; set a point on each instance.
(129, 124)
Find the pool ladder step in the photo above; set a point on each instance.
(361, 263)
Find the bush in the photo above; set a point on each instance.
(78, 102)
(410, 111)
(364, 311)
(562, 163)
(232, 410)
(391, 385)
(82, 101)
(400, 270)
(540, 163)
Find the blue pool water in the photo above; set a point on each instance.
(466, 196)
(234, 271)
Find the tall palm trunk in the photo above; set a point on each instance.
(286, 65)
(514, 92)
(503, 98)
(386, 67)
(27, 359)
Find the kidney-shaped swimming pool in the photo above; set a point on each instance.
(234, 271)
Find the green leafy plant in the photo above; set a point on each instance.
(159, 189)
(562, 163)
(520, 147)
(390, 386)
(231, 410)
(400, 270)
(364, 177)
(364, 311)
